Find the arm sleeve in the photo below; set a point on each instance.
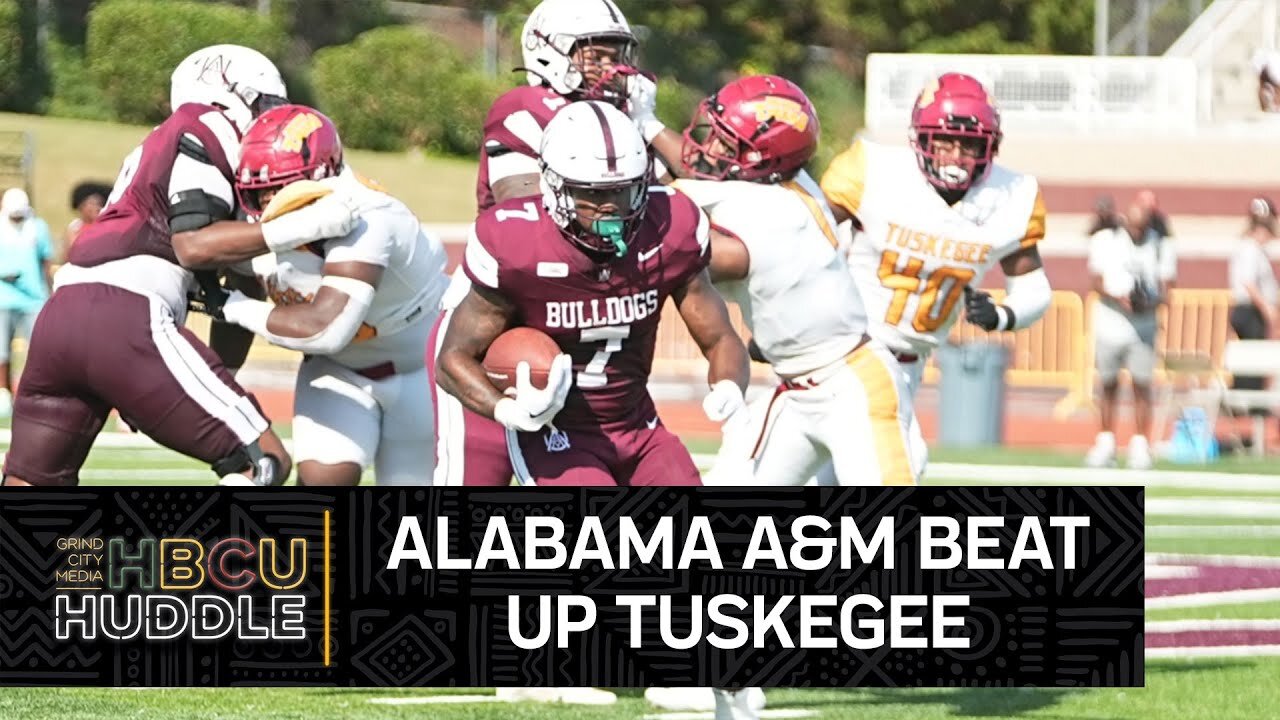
(846, 178)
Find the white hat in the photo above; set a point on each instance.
(15, 202)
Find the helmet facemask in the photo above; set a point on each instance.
(712, 151)
(965, 156)
(599, 218)
(594, 67)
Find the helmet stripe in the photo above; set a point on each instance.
(610, 154)
(613, 13)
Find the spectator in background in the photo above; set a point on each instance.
(1157, 221)
(1267, 64)
(1132, 270)
(1253, 284)
(1104, 215)
(26, 250)
(87, 200)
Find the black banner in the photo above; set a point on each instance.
(626, 588)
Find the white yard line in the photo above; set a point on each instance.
(438, 700)
(1257, 561)
(1219, 651)
(1207, 625)
(1214, 507)
(1213, 531)
(764, 715)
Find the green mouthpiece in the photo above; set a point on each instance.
(611, 229)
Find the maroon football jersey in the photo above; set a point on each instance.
(605, 316)
(514, 125)
(136, 219)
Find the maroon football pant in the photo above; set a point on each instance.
(635, 457)
(95, 347)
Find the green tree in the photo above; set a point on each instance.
(70, 20)
(24, 76)
(321, 23)
(399, 87)
(134, 45)
(10, 50)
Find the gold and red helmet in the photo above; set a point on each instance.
(760, 128)
(285, 144)
(956, 107)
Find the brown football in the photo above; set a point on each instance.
(515, 345)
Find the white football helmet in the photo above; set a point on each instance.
(240, 80)
(556, 25)
(592, 151)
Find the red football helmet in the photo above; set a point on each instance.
(958, 108)
(285, 144)
(759, 128)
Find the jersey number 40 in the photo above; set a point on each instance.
(906, 282)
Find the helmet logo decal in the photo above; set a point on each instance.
(926, 94)
(214, 71)
(784, 110)
(298, 130)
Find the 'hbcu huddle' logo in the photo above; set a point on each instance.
(162, 589)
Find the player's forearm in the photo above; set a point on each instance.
(323, 326)
(219, 244)
(462, 376)
(728, 360)
(668, 145)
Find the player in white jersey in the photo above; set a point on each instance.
(359, 306)
(934, 218)
(776, 254)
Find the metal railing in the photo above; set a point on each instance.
(1044, 93)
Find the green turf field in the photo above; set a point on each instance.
(1204, 688)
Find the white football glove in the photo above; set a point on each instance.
(240, 309)
(723, 401)
(332, 216)
(532, 408)
(642, 103)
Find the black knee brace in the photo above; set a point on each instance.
(237, 462)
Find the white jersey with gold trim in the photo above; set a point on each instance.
(408, 297)
(916, 254)
(797, 299)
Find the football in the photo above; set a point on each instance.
(532, 346)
